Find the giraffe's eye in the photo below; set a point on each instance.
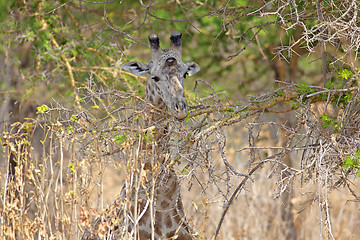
(155, 78)
(185, 75)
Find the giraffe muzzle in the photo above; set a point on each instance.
(179, 108)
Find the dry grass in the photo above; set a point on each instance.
(60, 188)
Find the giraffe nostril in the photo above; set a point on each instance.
(176, 106)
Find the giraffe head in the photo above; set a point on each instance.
(167, 73)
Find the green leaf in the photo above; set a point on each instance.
(73, 118)
(229, 109)
(185, 171)
(304, 88)
(120, 139)
(352, 162)
(345, 73)
(146, 138)
(70, 129)
(72, 168)
(41, 109)
(328, 122)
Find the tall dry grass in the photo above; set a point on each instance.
(71, 165)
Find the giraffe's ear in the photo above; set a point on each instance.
(192, 68)
(136, 68)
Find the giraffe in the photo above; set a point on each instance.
(165, 218)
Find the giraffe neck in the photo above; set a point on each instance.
(160, 135)
(154, 99)
(168, 212)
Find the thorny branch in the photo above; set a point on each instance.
(198, 134)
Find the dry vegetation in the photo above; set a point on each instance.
(284, 164)
(59, 189)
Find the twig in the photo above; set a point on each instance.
(237, 190)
